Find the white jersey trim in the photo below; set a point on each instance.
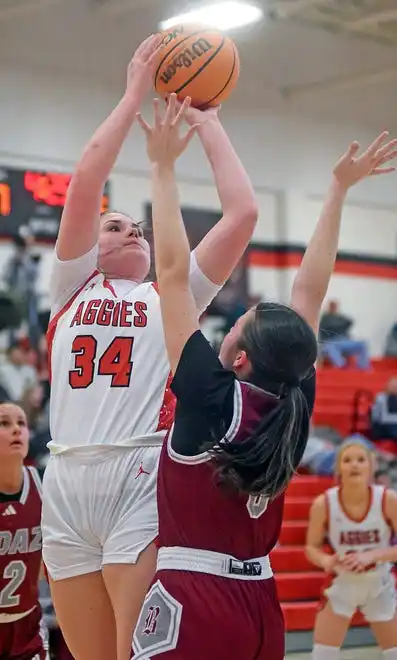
(229, 435)
(68, 276)
(36, 479)
(25, 487)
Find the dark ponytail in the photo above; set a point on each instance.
(264, 462)
(282, 349)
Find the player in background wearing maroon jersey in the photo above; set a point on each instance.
(357, 519)
(22, 636)
(240, 430)
(107, 423)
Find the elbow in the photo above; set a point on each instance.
(250, 213)
(242, 219)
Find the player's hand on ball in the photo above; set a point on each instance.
(164, 140)
(196, 116)
(141, 69)
(351, 168)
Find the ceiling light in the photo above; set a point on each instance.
(222, 16)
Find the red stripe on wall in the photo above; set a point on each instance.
(276, 259)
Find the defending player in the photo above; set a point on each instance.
(21, 632)
(110, 402)
(240, 431)
(357, 518)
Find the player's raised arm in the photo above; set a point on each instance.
(171, 245)
(222, 248)
(80, 219)
(311, 282)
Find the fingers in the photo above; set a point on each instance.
(376, 144)
(144, 45)
(149, 48)
(181, 111)
(173, 115)
(143, 124)
(353, 564)
(349, 155)
(353, 149)
(380, 160)
(171, 111)
(383, 156)
(176, 111)
(387, 148)
(153, 58)
(382, 170)
(348, 560)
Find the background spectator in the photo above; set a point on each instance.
(20, 277)
(391, 342)
(336, 343)
(384, 413)
(16, 375)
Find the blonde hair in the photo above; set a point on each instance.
(353, 442)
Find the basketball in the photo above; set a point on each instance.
(198, 62)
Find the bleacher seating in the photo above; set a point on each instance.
(344, 396)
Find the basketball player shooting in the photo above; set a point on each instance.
(240, 430)
(110, 399)
(22, 632)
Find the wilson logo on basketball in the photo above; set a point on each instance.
(199, 62)
(186, 58)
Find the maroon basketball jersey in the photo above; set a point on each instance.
(20, 548)
(195, 512)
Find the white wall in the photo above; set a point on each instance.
(46, 121)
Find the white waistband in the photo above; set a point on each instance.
(11, 618)
(213, 563)
(92, 451)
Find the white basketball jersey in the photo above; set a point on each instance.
(109, 367)
(347, 535)
(108, 361)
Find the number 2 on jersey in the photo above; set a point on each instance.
(15, 572)
(115, 361)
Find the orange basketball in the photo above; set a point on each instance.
(198, 62)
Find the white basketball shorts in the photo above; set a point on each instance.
(374, 595)
(98, 509)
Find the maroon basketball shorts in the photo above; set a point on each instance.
(24, 639)
(197, 615)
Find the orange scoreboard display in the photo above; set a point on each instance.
(34, 198)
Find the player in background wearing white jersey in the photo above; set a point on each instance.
(109, 378)
(357, 519)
